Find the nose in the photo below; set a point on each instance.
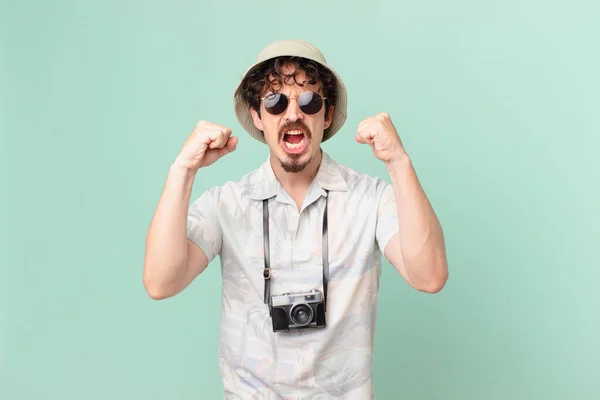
(293, 112)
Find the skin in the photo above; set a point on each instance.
(171, 261)
(417, 251)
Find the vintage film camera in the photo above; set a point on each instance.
(296, 310)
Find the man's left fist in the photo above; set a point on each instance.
(380, 133)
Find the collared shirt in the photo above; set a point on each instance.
(317, 363)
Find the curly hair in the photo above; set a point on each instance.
(269, 75)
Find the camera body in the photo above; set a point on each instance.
(298, 310)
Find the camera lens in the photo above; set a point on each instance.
(301, 314)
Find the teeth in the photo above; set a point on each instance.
(293, 146)
(294, 133)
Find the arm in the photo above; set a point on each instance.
(172, 261)
(417, 251)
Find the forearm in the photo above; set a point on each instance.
(420, 238)
(166, 241)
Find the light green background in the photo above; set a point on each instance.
(497, 103)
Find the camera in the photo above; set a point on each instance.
(298, 310)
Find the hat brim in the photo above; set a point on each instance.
(244, 116)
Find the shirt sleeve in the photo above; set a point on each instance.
(387, 217)
(203, 226)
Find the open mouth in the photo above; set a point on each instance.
(294, 141)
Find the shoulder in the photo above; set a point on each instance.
(361, 184)
(232, 191)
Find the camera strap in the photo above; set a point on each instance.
(267, 270)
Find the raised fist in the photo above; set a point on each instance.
(207, 143)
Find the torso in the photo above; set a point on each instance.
(334, 361)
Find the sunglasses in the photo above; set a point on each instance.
(309, 102)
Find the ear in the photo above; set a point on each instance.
(329, 118)
(256, 119)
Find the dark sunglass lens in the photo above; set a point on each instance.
(310, 102)
(276, 103)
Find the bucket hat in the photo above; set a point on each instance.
(296, 48)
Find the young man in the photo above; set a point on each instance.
(301, 228)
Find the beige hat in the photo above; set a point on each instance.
(297, 48)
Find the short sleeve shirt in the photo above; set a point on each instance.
(317, 363)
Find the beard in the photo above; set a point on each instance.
(294, 165)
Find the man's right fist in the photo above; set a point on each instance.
(207, 143)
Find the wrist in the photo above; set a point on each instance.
(400, 160)
(181, 171)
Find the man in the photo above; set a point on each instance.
(300, 223)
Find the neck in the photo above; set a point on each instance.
(294, 182)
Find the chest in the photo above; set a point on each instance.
(295, 242)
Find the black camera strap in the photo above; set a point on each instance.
(267, 270)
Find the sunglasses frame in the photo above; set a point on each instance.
(294, 97)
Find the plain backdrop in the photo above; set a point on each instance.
(497, 103)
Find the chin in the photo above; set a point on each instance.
(293, 167)
(295, 163)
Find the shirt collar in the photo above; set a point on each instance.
(263, 184)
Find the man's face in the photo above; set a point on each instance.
(293, 136)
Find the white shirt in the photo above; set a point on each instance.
(316, 363)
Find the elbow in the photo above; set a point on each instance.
(433, 286)
(436, 279)
(156, 293)
(154, 289)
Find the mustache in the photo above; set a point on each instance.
(298, 125)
